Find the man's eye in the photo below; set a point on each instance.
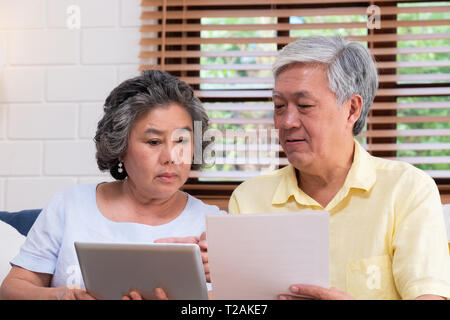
(304, 106)
(278, 106)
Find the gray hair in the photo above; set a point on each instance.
(133, 98)
(349, 65)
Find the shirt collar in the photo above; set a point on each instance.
(361, 175)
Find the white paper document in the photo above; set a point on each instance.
(259, 256)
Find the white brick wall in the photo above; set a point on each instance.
(53, 82)
(57, 46)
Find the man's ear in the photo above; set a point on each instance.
(354, 109)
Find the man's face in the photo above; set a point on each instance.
(310, 122)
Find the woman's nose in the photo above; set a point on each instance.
(167, 156)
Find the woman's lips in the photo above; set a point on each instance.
(167, 177)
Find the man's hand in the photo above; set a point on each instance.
(315, 292)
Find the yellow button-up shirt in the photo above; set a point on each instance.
(387, 230)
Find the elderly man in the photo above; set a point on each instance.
(387, 235)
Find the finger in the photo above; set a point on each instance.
(160, 294)
(134, 295)
(203, 244)
(203, 236)
(312, 291)
(208, 277)
(126, 298)
(289, 297)
(204, 257)
(191, 239)
(82, 295)
(206, 267)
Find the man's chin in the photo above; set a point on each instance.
(299, 161)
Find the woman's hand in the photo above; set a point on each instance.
(204, 252)
(315, 292)
(65, 293)
(200, 241)
(193, 240)
(134, 295)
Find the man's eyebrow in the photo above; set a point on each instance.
(298, 94)
(303, 94)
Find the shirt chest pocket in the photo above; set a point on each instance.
(371, 278)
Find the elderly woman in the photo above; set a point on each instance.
(145, 139)
(387, 235)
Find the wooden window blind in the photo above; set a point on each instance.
(225, 49)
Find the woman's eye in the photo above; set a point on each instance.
(183, 140)
(154, 142)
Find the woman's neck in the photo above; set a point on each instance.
(123, 202)
(145, 204)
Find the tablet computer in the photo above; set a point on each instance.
(111, 271)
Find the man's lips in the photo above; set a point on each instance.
(293, 141)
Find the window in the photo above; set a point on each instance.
(225, 49)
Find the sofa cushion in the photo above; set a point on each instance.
(21, 220)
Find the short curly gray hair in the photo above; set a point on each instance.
(135, 97)
(350, 68)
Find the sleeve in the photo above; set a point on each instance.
(40, 251)
(421, 262)
(233, 206)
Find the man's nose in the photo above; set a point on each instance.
(291, 118)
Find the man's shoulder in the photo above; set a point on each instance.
(264, 182)
(400, 172)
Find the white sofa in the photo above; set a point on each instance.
(10, 242)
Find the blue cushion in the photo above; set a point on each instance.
(21, 220)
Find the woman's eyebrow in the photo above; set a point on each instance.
(151, 130)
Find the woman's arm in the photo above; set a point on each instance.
(22, 284)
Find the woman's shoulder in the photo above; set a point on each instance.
(76, 192)
(74, 197)
(197, 205)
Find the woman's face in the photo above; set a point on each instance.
(160, 148)
(311, 124)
